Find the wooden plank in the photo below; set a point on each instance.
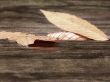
(24, 17)
(67, 61)
(34, 69)
(50, 63)
(62, 50)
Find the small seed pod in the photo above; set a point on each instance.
(65, 36)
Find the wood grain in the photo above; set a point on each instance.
(68, 61)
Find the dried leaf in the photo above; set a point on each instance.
(66, 36)
(21, 38)
(75, 24)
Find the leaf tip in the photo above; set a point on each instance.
(43, 11)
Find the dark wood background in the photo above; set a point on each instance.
(70, 61)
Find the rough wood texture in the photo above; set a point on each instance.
(67, 62)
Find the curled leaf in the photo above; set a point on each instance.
(66, 36)
(75, 24)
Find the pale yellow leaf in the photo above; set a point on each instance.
(75, 24)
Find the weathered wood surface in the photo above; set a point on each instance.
(68, 61)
